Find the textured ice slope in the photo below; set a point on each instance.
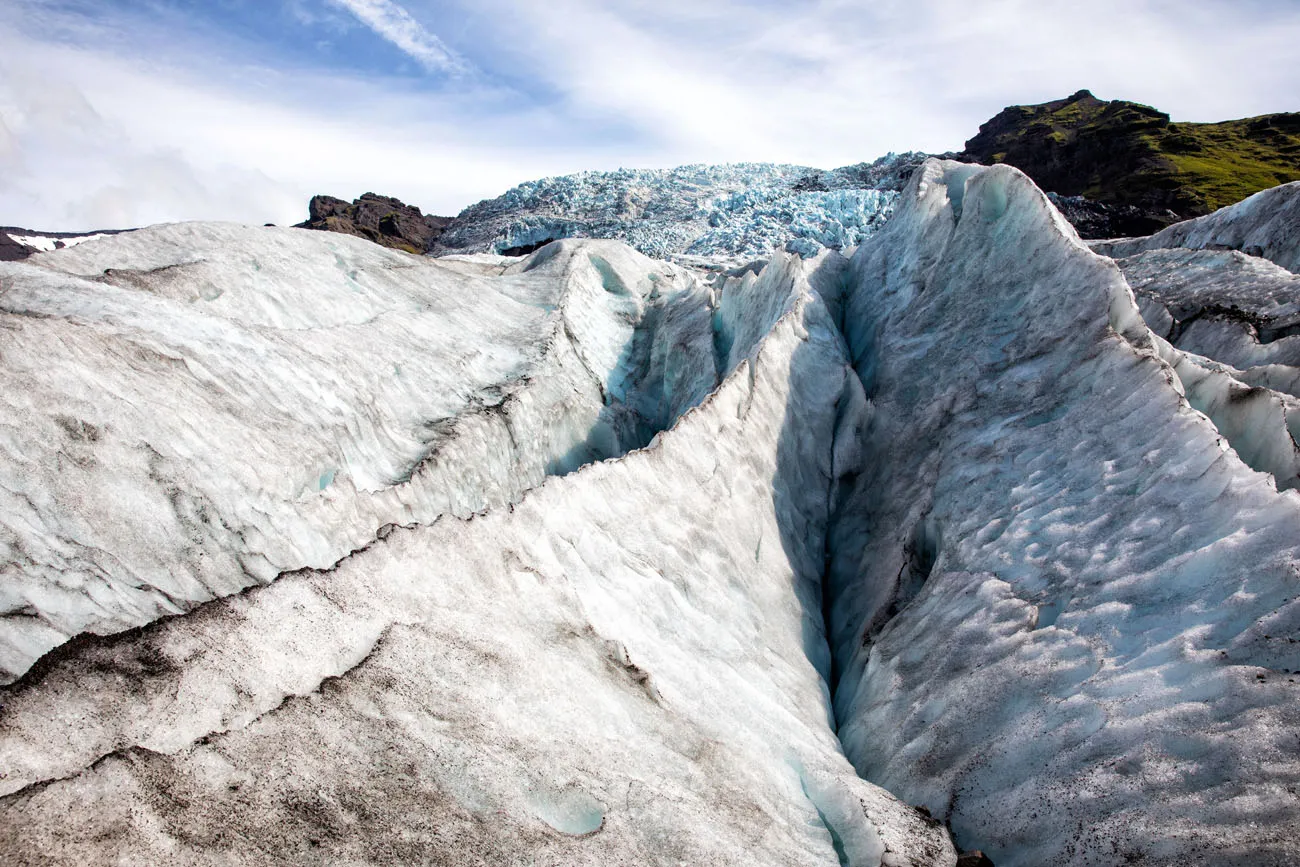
(1227, 323)
(188, 410)
(622, 667)
(1266, 225)
(493, 560)
(1063, 611)
(742, 211)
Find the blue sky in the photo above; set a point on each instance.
(127, 112)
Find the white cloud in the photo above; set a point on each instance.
(395, 24)
(133, 126)
(96, 141)
(839, 81)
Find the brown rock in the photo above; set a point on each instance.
(1135, 169)
(381, 219)
(11, 250)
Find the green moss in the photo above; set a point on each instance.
(1126, 153)
(1226, 162)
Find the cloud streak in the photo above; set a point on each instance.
(836, 81)
(117, 118)
(393, 23)
(89, 140)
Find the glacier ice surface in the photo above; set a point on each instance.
(1266, 225)
(621, 665)
(1063, 611)
(230, 403)
(584, 557)
(731, 212)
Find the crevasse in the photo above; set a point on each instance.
(668, 535)
(1061, 602)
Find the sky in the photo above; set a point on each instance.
(122, 113)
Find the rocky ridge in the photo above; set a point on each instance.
(17, 244)
(384, 220)
(1135, 169)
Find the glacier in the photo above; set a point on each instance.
(1265, 225)
(700, 215)
(205, 441)
(689, 544)
(574, 676)
(1059, 598)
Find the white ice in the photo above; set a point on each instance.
(615, 668)
(1063, 610)
(1266, 225)
(587, 558)
(189, 410)
(731, 212)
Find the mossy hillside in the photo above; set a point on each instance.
(1123, 153)
(1226, 162)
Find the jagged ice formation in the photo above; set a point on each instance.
(697, 214)
(320, 552)
(1063, 609)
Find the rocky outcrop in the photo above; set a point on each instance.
(11, 250)
(17, 244)
(387, 221)
(1093, 219)
(1266, 226)
(1133, 158)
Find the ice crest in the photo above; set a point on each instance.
(733, 212)
(774, 553)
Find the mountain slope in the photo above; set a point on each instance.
(17, 244)
(1132, 156)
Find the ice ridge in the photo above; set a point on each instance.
(583, 557)
(1062, 607)
(692, 213)
(236, 403)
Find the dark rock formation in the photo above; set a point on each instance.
(382, 219)
(17, 243)
(1093, 219)
(1138, 171)
(526, 249)
(11, 250)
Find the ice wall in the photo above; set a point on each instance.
(614, 668)
(1063, 610)
(730, 212)
(189, 410)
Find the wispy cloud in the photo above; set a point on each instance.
(829, 82)
(92, 140)
(393, 23)
(111, 117)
